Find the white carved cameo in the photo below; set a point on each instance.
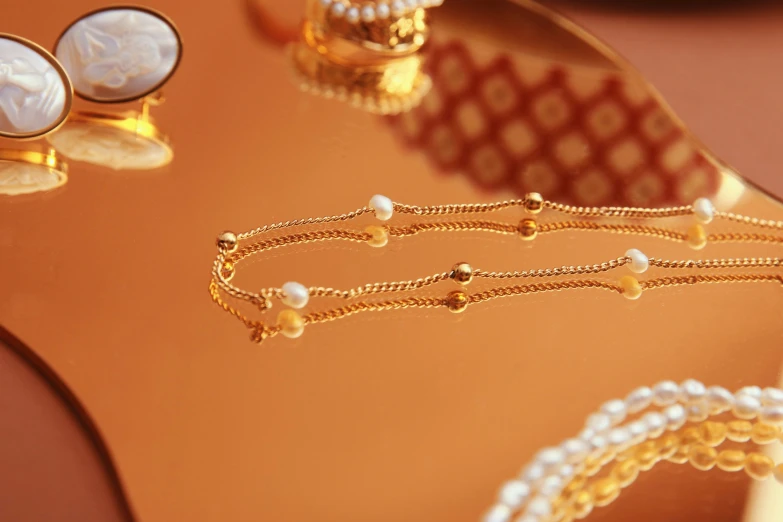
(119, 54)
(18, 178)
(109, 147)
(34, 94)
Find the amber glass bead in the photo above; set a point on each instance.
(702, 457)
(647, 454)
(713, 433)
(731, 460)
(605, 491)
(626, 472)
(582, 504)
(764, 433)
(759, 466)
(680, 455)
(739, 431)
(690, 435)
(668, 444)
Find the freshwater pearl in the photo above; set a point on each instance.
(619, 437)
(383, 207)
(397, 8)
(753, 391)
(326, 3)
(551, 457)
(575, 450)
(719, 399)
(498, 513)
(368, 13)
(704, 210)
(615, 409)
(352, 15)
(533, 473)
(599, 443)
(656, 423)
(551, 486)
(338, 9)
(639, 399)
(296, 295)
(587, 434)
(698, 412)
(772, 397)
(514, 493)
(746, 407)
(675, 416)
(771, 414)
(665, 393)
(639, 263)
(382, 11)
(692, 390)
(539, 507)
(599, 422)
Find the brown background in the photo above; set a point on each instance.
(411, 415)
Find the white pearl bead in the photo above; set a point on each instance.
(397, 8)
(326, 3)
(296, 295)
(539, 507)
(692, 390)
(753, 391)
(746, 406)
(599, 443)
(771, 414)
(498, 513)
(352, 15)
(704, 210)
(656, 423)
(638, 430)
(599, 422)
(665, 393)
(619, 438)
(615, 409)
(383, 207)
(719, 399)
(772, 397)
(551, 486)
(698, 412)
(575, 450)
(527, 518)
(675, 416)
(412, 4)
(514, 493)
(566, 471)
(639, 399)
(368, 13)
(338, 9)
(587, 434)
(639, 263)
(382, 11)
(533, 473)
(551, 457)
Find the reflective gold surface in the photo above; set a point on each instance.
(411, 415)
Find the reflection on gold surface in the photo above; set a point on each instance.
(26, 172)
(129, 141)
(413, 415)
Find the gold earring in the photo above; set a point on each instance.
(35, 98)
(128, 140)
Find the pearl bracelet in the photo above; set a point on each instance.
(296, 295)
(604, 436)
(357, 12)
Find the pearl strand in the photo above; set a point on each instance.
(355, 12)
(544, 478)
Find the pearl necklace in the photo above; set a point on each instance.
(604, 436)
(296, 295)
(357, 12)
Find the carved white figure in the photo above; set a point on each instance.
(109, 147)
(32, 93)
(24, 178)
(118, 54)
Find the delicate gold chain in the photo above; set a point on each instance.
(291, 323)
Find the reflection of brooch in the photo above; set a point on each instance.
(568, 481)
(612, 219)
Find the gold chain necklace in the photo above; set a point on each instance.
(291, 323)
